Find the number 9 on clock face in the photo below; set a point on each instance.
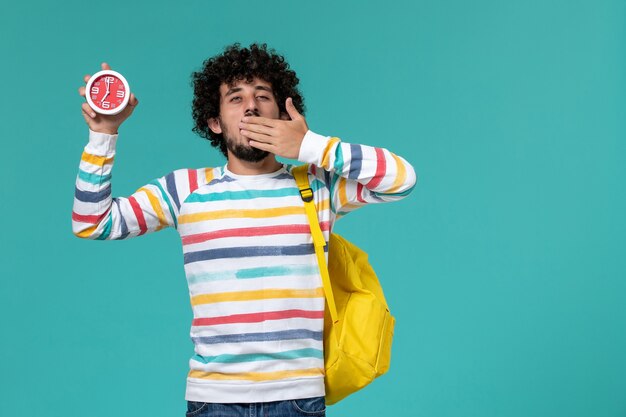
(107, 92)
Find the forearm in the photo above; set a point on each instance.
(366, 173)
(92, 197)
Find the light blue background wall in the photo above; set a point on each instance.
(505, 268)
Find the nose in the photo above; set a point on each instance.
(251, 107)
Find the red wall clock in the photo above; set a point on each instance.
(107, 92)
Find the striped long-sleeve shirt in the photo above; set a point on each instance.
(254, 283)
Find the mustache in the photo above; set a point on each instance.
(252, 113)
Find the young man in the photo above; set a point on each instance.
(253, 277)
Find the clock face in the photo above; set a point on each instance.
(107, 92)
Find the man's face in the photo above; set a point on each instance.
(236, 101)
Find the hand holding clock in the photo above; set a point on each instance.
(105, 123)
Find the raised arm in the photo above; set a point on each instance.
(96, 214)
(355, 174)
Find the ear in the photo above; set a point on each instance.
(214, 125)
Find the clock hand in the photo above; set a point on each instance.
(106, 82)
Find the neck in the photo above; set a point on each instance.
(265, 166)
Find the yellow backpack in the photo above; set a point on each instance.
(358, 327)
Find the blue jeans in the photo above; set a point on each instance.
(312, 407)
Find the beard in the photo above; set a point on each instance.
(243, 151)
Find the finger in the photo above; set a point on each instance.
(256, 128)
(133, 100)
(87, 77)
(88, 110)
(81, 91)
(257, 136)
(291, 109)
(262, 146)
(106, 66)
(259, 121)
(86, 116)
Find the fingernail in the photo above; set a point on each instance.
(93, 114)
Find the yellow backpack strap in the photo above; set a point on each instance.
(302, 179)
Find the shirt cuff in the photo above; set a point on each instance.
(312, 148)
(101, 144)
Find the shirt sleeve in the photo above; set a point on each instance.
(356, 174)
(97, 215)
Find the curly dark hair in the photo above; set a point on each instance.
(237, 64)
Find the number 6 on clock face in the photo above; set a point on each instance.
(107, 92)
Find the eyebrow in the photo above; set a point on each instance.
(258, 87)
